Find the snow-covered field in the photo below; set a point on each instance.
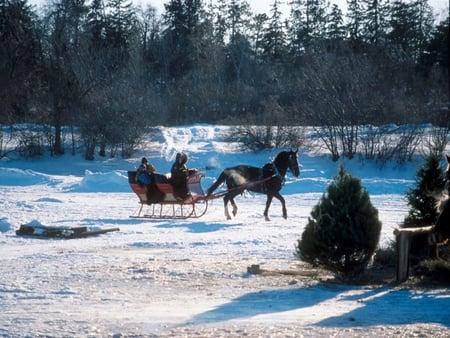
(189, 277)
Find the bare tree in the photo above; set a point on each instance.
(339, 97)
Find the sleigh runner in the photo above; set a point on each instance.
(160, 201)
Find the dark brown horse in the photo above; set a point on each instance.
(440, 232)
(266, 180)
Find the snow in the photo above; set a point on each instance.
(189, 277)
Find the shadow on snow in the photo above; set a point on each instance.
(265, 302)
(198, 227)
(388, 306)
(383, 306)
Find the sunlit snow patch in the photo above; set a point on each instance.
(112, 181)
(18, 177)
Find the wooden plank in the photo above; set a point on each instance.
(59, 232)
(403, 245)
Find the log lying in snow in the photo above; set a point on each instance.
(403, 239)
(60, 232)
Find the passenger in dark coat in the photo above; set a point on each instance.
(179, 173)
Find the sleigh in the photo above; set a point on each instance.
(159, 200)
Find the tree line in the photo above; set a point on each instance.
(110, 69)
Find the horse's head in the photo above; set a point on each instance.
(287, 160)
(293, 164)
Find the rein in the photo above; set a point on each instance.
(238, 187)
(250, 184)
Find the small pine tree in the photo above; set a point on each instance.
(343, 230)
(430, 182)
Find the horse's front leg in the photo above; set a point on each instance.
(266, 211)
(283, 204)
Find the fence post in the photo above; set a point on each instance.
(403, 244)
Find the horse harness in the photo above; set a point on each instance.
(269, 167)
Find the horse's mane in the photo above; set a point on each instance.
(442, 202)
(281, 155)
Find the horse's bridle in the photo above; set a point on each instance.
(292, 160)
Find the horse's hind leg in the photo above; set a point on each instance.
(225, 205)
(235, 208)
(230, 199)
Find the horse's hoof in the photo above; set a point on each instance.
(267, 219)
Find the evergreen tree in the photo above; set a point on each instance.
(219, 19)
(335, 27)
(411, 26)
(309, 21)
(96, 24)
(375, 24)
(274, 37)
(238, 17)
(19, 60)
(258, 29)
(343, 230)
(317, 18)
(430, 182)
(336, 32)
(63, 47)
(121, 31)
(436, 52)
(183, 35)
(299, 37)
(238, 50)
(355, 13)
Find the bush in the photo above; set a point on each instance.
(343, 230)
(435, 269)
(386, 256)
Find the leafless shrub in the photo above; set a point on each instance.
(399, 144)
(409, 140)
(5, 141)
(436, 141)
(370, 140)
(256, 138)
(30, 143)
(328, 134)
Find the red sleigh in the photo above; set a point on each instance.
(160, 201)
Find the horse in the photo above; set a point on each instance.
(266, 180)
(440, 231)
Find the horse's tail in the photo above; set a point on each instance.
(219, 181)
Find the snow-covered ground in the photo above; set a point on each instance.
(189, 277)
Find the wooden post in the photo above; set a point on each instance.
(403, 242)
